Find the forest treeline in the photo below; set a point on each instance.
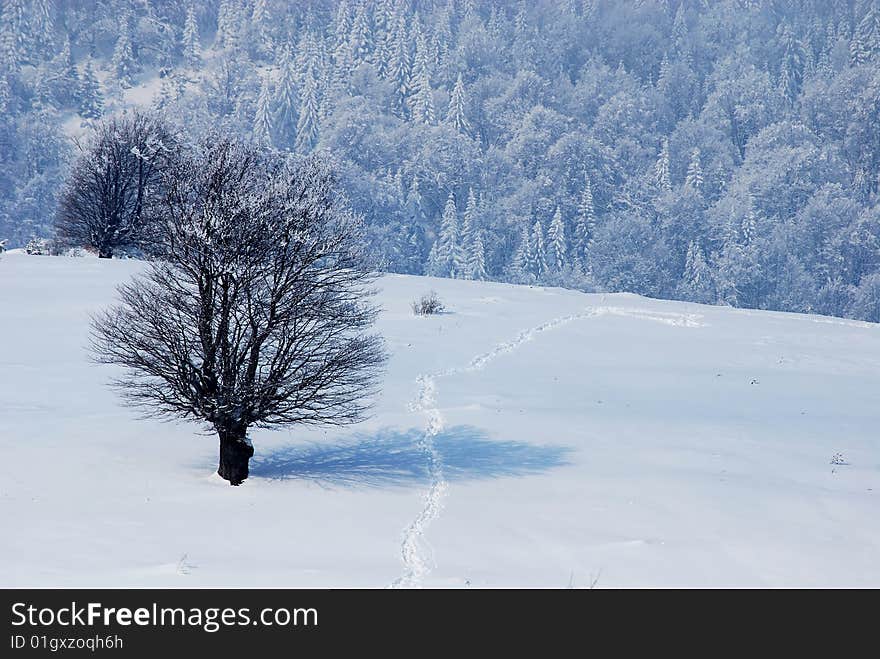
(725, 152)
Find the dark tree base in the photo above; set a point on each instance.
(235, 455)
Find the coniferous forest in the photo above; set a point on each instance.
(725, 152)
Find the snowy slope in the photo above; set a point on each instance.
(577, 439)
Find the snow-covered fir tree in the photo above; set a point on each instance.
(422, 100)
(538, 266)
(456, 116)
(585, 224)
(91, 102)
(286, 101)
(558, 242)
(123, 63)
(445, 255)
(524, 256)
(662, 178)
(466, 235)
(694, 177)
(262, 127)
(309, 113)
(476, 266)
(192, 47)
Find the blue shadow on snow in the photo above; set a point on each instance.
(395, 458)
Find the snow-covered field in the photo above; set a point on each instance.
(578, 440)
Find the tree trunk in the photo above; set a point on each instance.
(235, 454)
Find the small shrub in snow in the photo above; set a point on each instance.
(428, 305)
(38, 247)
(838, 459)
(2, 247)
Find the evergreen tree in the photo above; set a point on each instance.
(662, 179)
(285, 119)
(697, 278)
(558, 245)
(455, 116)
(791, 73)
(91, 103)
(694, 177)
(65, 77)
(260, 24)
(41, 25)
(192, 48)
(422, 100)
(262, 129)
(749, 228)
(123, 63)
(467, 235)
(229, 24)
(309, 112)
(398, 70)
(14, 32)
(477, 258)
(524, 256)
(865, 44)
(585, 226)
(539, 250)
(361, 40)
(445, 251)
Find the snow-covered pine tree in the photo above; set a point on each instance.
(749, 227)
(229, 24)
(680, 41)
(697, 277)
(558, 243)
(398, 70)
(122, 63)
(466, 235)
(341, 24)
(260, 26)
(361, 39)
(91, 102)
(422, 100)
(662, 179)
(382, 25)
(286, 99)
(41, 25)
(791, 72)
(309, 113)
(456, 115)
(262, 128)
(522, 259)
(585, 225)
(446, 247)
(4, 95)
(477, 258)
(414, 210)
(865, 43)
(539, 250)
(192, 47)
(694, 176)
(65, 77)
(14, 33)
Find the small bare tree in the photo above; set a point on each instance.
(257, 312)
(103, 202)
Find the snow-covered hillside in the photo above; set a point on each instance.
(578, 439)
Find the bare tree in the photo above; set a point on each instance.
(119, 168)
(257, 313)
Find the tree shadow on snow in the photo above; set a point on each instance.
(395, 458)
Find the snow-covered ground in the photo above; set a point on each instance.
(577, 440)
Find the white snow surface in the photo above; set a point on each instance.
(528, 437)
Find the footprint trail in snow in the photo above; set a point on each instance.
(415, 551)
